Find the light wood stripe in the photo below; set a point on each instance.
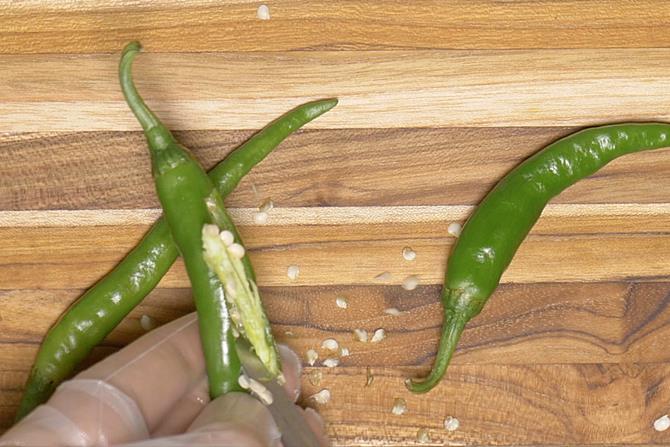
(168, 25)
(318, 215)
(563, 248)
(392, 89)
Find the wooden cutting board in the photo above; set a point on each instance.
(437, 101)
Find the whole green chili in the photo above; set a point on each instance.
(112, 298)
(184, 191)
(493, 233)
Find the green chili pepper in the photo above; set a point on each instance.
(96, 313)
(500, 223)
(185, 192)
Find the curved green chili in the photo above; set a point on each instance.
(493, 233)
(112, 298)
(184, 191)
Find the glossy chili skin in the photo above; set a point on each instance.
(97, 312)
(184, 191)
(498, 226)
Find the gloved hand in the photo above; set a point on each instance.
(154, 393)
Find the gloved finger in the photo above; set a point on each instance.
(232, 420)
(241, 417)
(123, 397)
(191, 404)
(184, 411)
(156, 370)
(318, 426)
(74, 416)
(292, 370)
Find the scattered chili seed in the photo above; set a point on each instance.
(378, 336)
(322, 397)
(266, 206)
(261, 218)
(383, 276)
(423, 436)
(662, 423)
(341, 302)
(392, 311)
(331, 363)
(361, 335)
(147, 323)
(312, 356)
(344, 352)
(243, 381)
(263, 12)
(454, 229)
(330, 344)
(399, 406)
(410, 282)
(293, 272)
(451, 423)
(263, 394)
(408, 254)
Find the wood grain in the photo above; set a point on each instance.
(168, 25)
(523, 323)
(343, 167)
(533, 347)
(349, 253)
(392, 89)
(562, 405)
(437, 101)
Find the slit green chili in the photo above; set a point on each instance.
(112, 298)
(493, 233)
(185, 191)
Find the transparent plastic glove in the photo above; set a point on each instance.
(154, 393)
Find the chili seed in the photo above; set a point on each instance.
(227, 237)
(211, 230)
(408, 254)
(361, 335)
(236, 250)
(263, 12)
(341, 302)
(662, 423)
(392, 311)
(266, 206)
(344, 352)
(451, 423)
(331, 363)
(383, 276)
(263, 394)
(423, 436)
(293, 272)
(330, 344)
(243, 381)
(399, 406)
(261, 218)
(410, 282)
(378, 336)
(454, 229)
(322, 397)
(312, 356)
(147, 322)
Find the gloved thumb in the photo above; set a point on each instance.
(232, 420)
